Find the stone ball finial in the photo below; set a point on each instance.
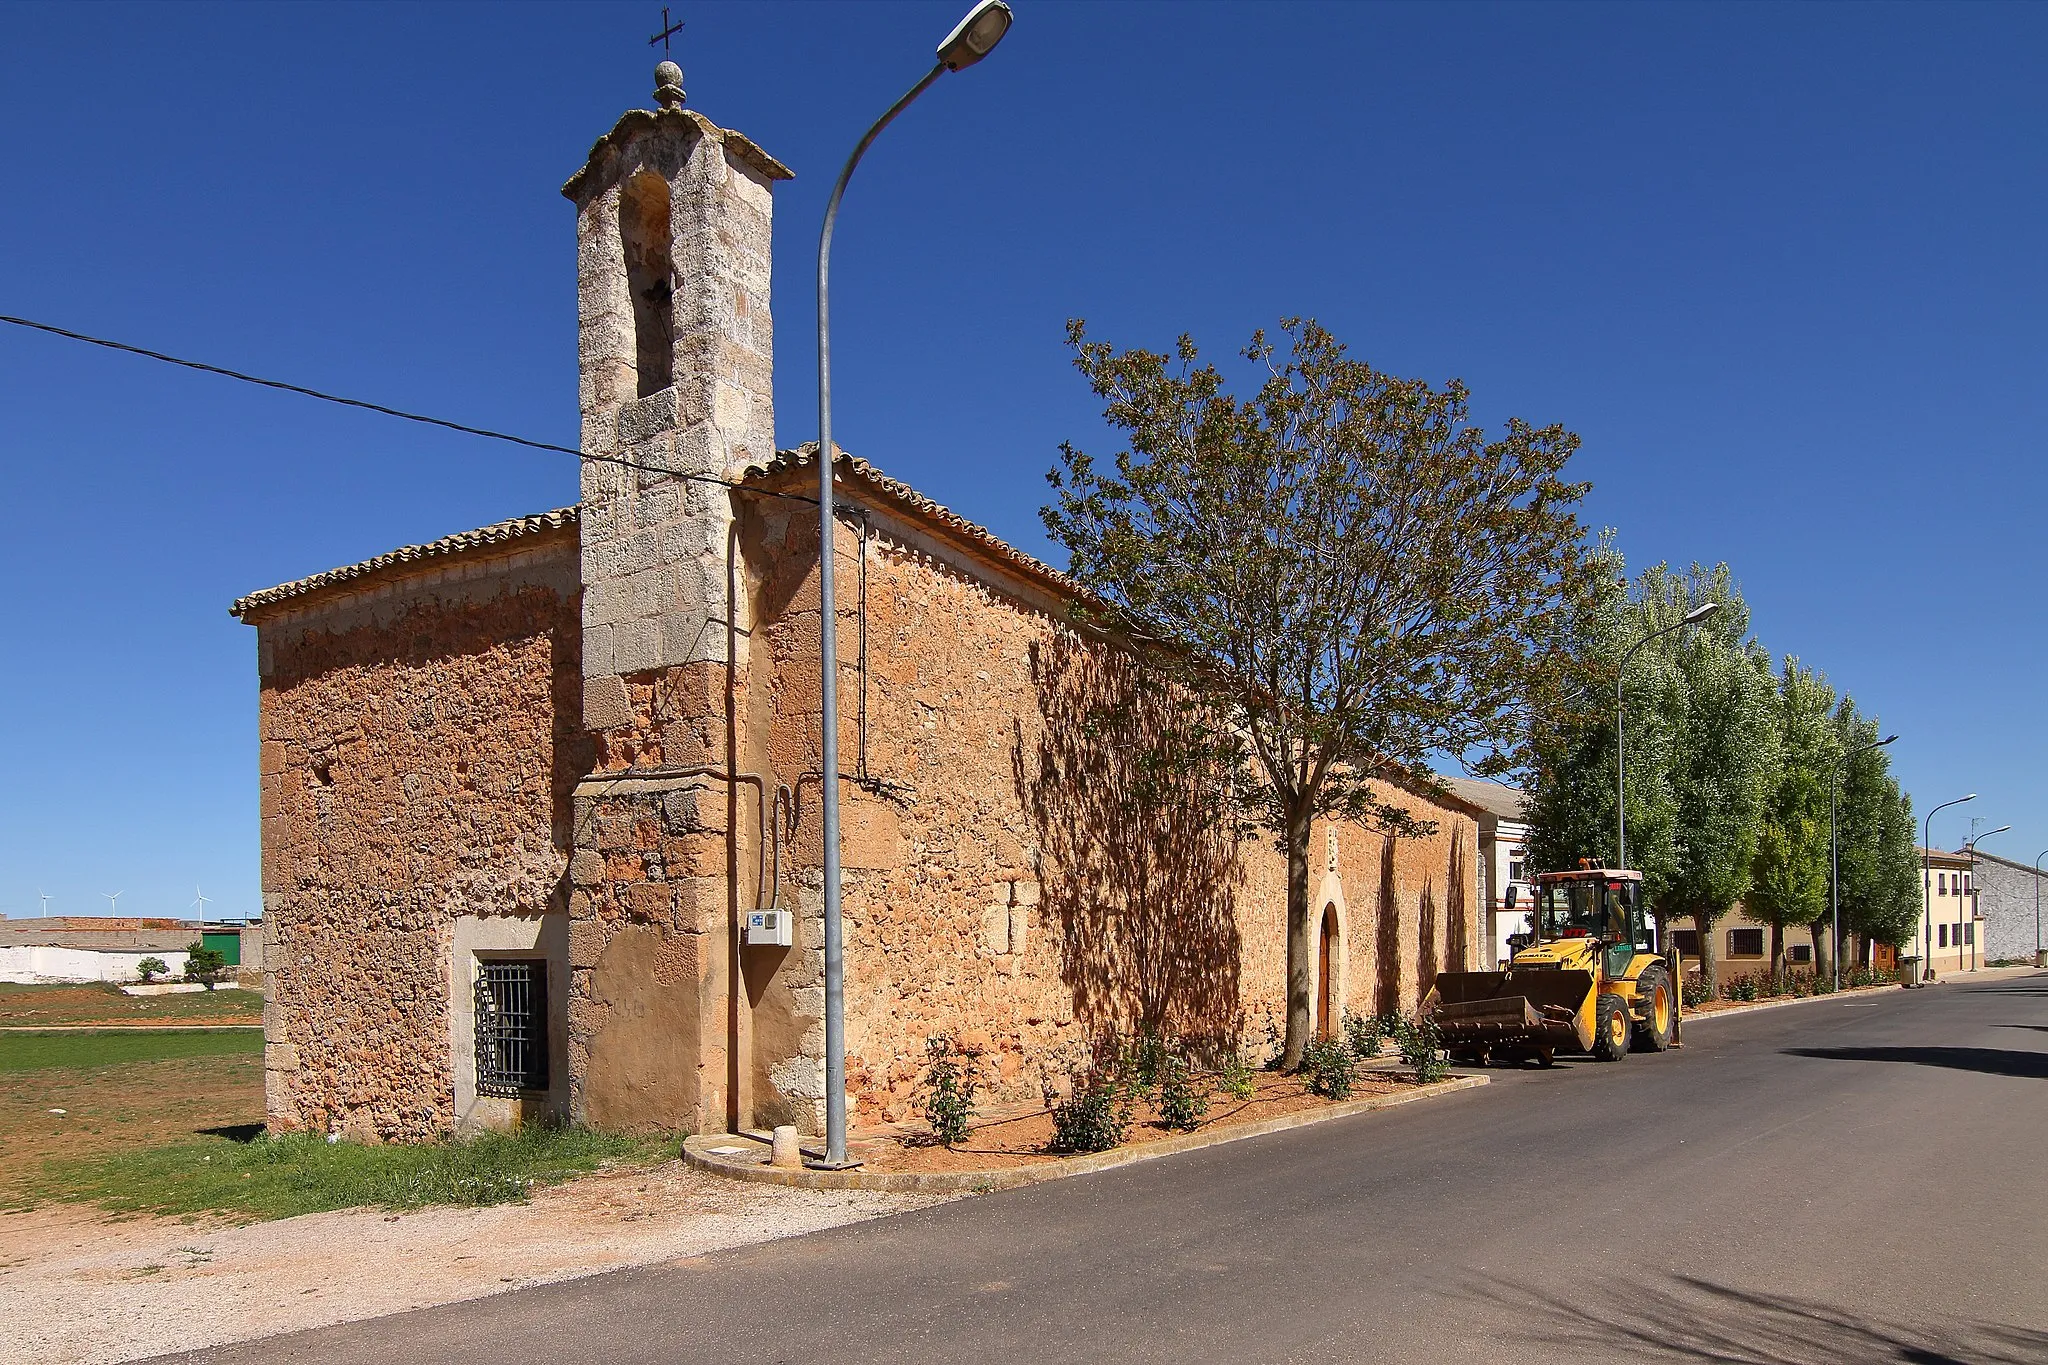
(668, 85)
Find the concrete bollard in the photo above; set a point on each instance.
(785, 1151)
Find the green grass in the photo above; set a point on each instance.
(279, 1177)
(113, 1047)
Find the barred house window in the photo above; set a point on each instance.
(1687, 941)
(1800, 952)
(511, 1026)
(1745, 943)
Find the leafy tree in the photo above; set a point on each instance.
(1341, 573)
(1789, 874)
(1880, 868)
(1702, 734)
(151, 968)
(1727, 758)
(204, 964)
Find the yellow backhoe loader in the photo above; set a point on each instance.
(1583, 980)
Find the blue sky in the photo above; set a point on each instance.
(1782, 267)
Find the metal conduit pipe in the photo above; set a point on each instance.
(770, 874)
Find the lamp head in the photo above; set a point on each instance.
(1701, 612)
(975, 36)
(1886, 740)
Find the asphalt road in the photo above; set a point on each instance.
(1845, 1181)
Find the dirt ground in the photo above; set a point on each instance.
(1021, 1139)
(77, 1287)
(42, 1006)
(108, 1108)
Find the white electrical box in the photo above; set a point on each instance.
(770, 929)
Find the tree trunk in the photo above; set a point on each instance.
(1703, 924)
(1300, 964)
(1821, 955)
(1777, 948)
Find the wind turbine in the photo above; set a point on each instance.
(44, 897)
(199, 900)
(114, 899)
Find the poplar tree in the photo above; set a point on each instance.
(1702, 736)
(1340, 569)
(1789, 875)
(1880, 865)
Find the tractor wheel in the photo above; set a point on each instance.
(1546, 1057)
(1610, 1029)
(1660, 1018)
(1471, 1056)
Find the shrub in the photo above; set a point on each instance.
(1364, 1035)
(1142, 1061)
(1096, 1118)
(1183, 1099)
(1237, 1078)
(1328, 1069)
(1698, 991)
(204, 964)
(150, 968)
(1422, 1048)
(948, 1089)
(1743, 988)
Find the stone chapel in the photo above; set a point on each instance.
(523, 786)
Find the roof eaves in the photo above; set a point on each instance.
(498, 533)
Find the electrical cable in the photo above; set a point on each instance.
(395, 412)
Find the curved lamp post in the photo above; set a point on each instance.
(1835, 849)
(1692, 618)
(971, 39)
(1927, 881)
(2040, 955)
(1970, 903)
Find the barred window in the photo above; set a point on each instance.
(511, 1026)
(1745, 943)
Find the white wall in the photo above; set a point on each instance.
(34, 965)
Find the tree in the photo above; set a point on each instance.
(1789, 874)
(204, 964)
(1341, 569)
(150, 968)
(1702, 734)
(1880, 877)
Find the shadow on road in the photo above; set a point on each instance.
(1697, 1319)
(1989, 1060)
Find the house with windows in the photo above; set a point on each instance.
(1951, 930)
(540, 816)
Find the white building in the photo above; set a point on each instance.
(1503, 858)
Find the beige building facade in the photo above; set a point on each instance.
(540, 801)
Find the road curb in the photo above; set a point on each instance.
(1982, 974)
(697, 1152)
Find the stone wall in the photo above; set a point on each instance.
(2006, 900)
(419, 746)
(1007, 871)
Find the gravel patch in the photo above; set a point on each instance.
(78, 1287)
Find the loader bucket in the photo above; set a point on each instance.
(1506, 1011)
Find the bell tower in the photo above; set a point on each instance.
(675, 355)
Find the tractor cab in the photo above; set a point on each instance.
(1603, 904)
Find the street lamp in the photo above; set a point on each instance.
(1835, 849)
(2040, 954)
(1969, 905)
(973, 38)
(1691, 618)
(1927, 882)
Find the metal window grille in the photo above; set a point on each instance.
(511, 1027)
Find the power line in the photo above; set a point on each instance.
(300, 389)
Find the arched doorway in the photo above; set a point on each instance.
(1326, 974)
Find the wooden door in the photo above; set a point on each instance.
(1323, 973)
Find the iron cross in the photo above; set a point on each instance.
(666, 29)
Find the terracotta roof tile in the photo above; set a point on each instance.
(495, 534)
